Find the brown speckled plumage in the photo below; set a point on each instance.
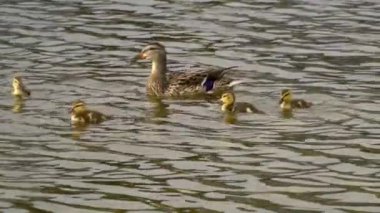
(163, 83)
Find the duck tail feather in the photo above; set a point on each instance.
(236, 82)
(225, 70)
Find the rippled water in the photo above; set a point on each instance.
(186, 156)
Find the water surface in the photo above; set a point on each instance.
(186, 156)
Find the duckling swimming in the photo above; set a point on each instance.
(19, 89)
(81, 115)
(229, 105)
(288, 103)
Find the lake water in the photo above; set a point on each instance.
(183, 155)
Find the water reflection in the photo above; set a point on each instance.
(287, 113)
(77, 130)
(159, 109)
(18, 104)
(230, 118)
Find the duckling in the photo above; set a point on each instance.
(81, 115)
(288, 103)
(229, 105)
(19, 89)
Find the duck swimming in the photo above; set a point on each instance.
(163, 83)
(81, 115)
(19, 89)
(229, 105)
(287, 102)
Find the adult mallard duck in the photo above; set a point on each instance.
(162, 83)
(287, 102)
(82, 116)
(229, 105)
(19, 89)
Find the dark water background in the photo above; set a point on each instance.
(183, 155)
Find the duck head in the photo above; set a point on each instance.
(227, 100)
(286, 96)
(78, 106)
(19, 88)
(152, 51)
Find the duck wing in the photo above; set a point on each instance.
(91, 117)
(204, 77)
(300, 103)
(246, 107)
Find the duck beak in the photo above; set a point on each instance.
(70, 110)
(138, 57)
(220, 100)
(281, 100)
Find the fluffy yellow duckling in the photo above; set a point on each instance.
(19, 89)
(229, 105)
(288, 103)
(81, 115)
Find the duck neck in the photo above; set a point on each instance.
(17, 91)
(227, 107)
(286, 105)
(159, 64)
(157, 82)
